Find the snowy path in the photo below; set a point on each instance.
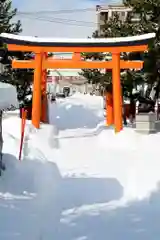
(78, 181)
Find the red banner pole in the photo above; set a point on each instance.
(23, 124)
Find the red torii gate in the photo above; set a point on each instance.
(41, 47)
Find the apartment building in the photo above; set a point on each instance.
(105, 12)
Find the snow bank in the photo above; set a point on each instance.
(78, 139)
(8, 96)
(74, 177)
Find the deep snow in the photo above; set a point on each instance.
(78, 180)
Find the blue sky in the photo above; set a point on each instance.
(52, 29)
(18, 3)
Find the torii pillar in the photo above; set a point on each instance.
(117, 93)
(37, 88)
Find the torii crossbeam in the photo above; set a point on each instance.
(41, 46)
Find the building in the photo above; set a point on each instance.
(104, 13)
(66, 77)
(71, 75)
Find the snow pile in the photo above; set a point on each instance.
(8, 96)
(76, 173)
(77, 131)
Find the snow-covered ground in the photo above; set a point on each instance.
(78, 180)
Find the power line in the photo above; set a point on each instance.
(40, 16)
(57, 11)
(62, 21)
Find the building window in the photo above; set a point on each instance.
(114, 13)
(106, 16)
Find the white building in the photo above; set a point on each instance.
(58, 78)
(105, 12)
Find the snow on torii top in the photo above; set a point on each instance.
(74, 42)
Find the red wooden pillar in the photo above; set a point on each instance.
(109, 109)
(117, 92)
(44, 113)
(36, 105)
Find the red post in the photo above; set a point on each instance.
(44, 112)
(109, 109)
(36, 105)
(23, 124)
(117, 92)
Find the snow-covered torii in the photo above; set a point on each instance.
(41, 47)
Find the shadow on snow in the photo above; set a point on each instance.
(33, 196)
